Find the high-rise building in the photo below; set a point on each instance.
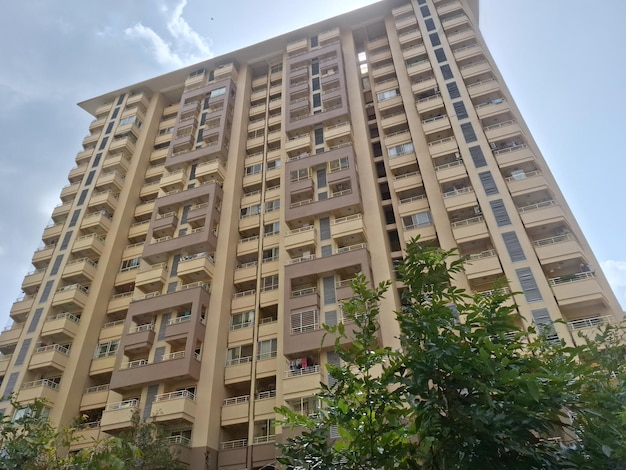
(217, 214)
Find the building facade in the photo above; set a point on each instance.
(217, 214)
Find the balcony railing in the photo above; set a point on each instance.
(41, 383)
(96, 389)
(304, 371)
(175, 396)
(571, 278)
(236, 400)
(236, 444)
(553, 240)
(589, 322)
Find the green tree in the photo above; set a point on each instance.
(28, 441)
(469, 386)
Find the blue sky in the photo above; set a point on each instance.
(563, 66)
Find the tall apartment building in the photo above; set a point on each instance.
(217, 214)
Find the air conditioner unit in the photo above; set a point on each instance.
(493, 145)
(306, 254)
(477, 210)
(457, 155)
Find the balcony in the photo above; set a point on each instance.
(52, 233)
(423, 85)
(102, 365)
(300, 143)
(440, 147)
(557, 249)
(577, 289)
(347, 226)
(402, 160)
(412, 205)
(80, 270)
(117, 162)
(451, 171)
(449, 7)
(407, 181)
(105, 200)
(470, 229)
(492, 108)
(60, 212)
(111, 330)
(502, 130)
(21, 308)
(111, 181)
(235, 410)
(392, 120)
(97, 222)
(429, 103)
(406, 22)
(60, 328)
(513, 155)
(54, 356)
(459, 198)
(172, 181)
(117, 416)
(208, 171)
(409, 36)
(454, 21)
(124, 145)
(301, 382)
(197, 267)
(337, 131)
(483, 87)
(151, 278)
(541, 213)
(425, 232)
(68, 193)
(4, 363)
(243, 300)
(483, 264)
(396, 138)
(467, 51)
(248, 245)
(377, 43)
(94, 397)
(138, 340)
(179, 406)
(382, 70)
(88, 434)
(435, 124)
(71, 298)
(418, 68)
(238, 370)
(460, 36)
(589, 327)
(11, 334)
(76, 174)
(476, 68)
(44, 389)
(530, 181)
(32, 281)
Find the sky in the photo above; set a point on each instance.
(563, 66)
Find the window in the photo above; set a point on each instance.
(339, 164)
(319, 136)
(271, 229)
(273, 164)
(269, 283)
(453, 90)
(267, 349)
(250, 211)
(254, 169)
(430, 24)
(513, 246)
(131, 120)
(477, 156)
(446, 71)
(315, 83)
(434, 39)
(218, 92)
(238, 355)
(459, 110)
(301, 322)
(299, 175)
(315, 68)
(387, 95)
(107, 349)
(130, 264)
(271, 254)
(317, 100)
(242, 320)
(468, 132)
(440, 55)
(489, 184)
(314, 41)
(276, 68)
(196, 73)
(401, 149)
(166, 130)
(271, 206)
(421, 219)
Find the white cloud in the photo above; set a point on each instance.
(186, 47)
(615, 272)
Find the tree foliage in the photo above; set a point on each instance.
(470, 386)
(28, 441)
